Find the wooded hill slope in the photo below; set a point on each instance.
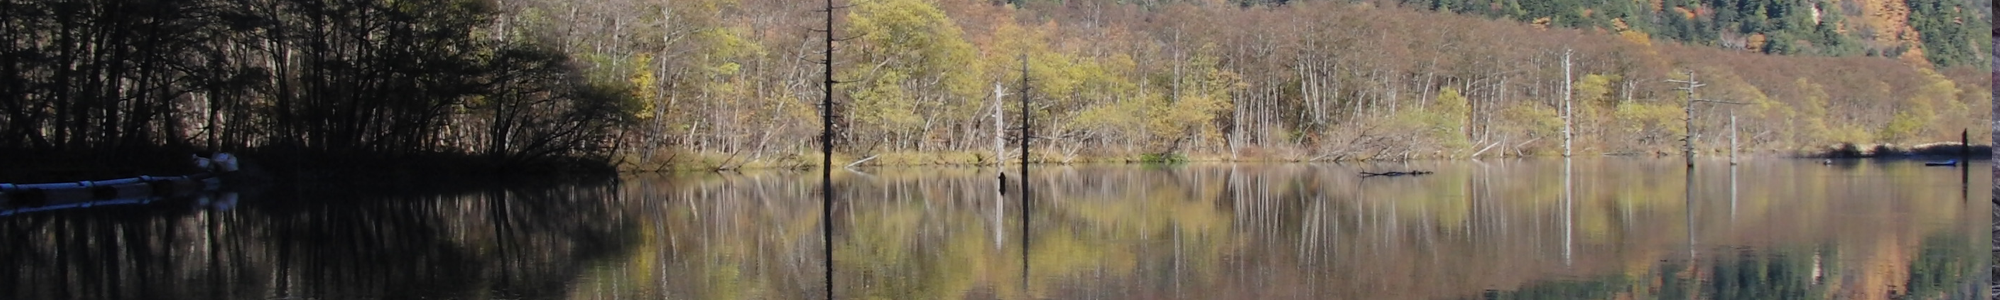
(1943, 32)
(536, 80)
(1302, 80)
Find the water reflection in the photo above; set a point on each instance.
(497, 244)
(1471, 231)
(1493, 230)
(1314, 232)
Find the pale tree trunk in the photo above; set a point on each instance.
(1567, 90)
(999, 126)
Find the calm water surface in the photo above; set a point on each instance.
(1535, 229)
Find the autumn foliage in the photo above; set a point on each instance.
(1315, 80)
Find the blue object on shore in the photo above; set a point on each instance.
(1946, 163)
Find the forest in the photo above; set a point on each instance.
(1293, 81)
(1940, 32)
(652, 85)
(102, 81)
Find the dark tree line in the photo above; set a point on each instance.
(376, 77)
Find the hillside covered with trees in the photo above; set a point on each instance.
(690, 82)
(1943, 32)
(1301, 80)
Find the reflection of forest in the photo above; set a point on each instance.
(1494, 230)
(511, 243)
(1310, 232)
(1471, 231)
(1946, 268)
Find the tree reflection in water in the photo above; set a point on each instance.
(1501, 230)
(503, 243)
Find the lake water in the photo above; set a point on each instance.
(1515, 229)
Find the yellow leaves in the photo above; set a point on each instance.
(1123, 116)
(1594, 89)
(1193, 113)
(1640, 116)
(917, 39)
(645, 85)
(1917, 114)
(1181, 119)
(912, 29)
(1849, 133)
(1938, 89)
(1815, 98)
(1450, 102)
(884, 104)
(1443, 121)
(1906, 126)
(725, 45)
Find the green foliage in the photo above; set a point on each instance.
(643, 82)
(919, 60)
(883, 104)
(1906, 126)
(1849, 133)
(1943, 265)
(1340, 80)
(1595, 89)
(1444, 121)
(1536, 120)
(1947, 29)
(1191, 114)
(1650, 124)
(1450, 103)
(916, 38)
(1949, 32)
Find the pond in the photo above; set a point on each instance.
(1511, 229)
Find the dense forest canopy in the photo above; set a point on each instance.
(520, 80)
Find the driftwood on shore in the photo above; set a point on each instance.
(1395, 173)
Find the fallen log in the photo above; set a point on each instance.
(1395, 173)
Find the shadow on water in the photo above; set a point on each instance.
(497, 242)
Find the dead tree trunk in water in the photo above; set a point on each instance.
(1568, 119)
(999, 127)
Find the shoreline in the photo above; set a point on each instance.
(399, 171)
(724, 162)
